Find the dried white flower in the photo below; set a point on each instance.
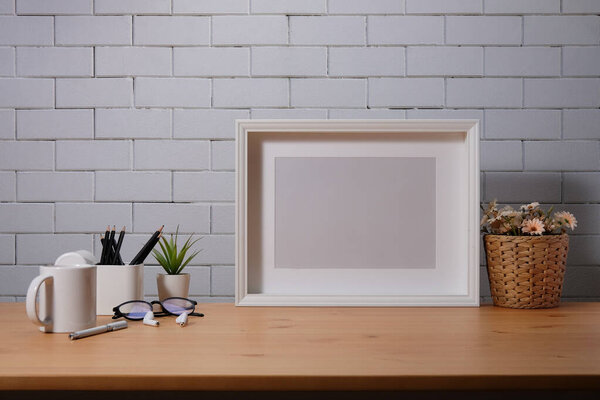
(533, 226)
(566, 218)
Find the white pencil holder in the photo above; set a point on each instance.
(117, 284)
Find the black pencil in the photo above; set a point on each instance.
(105, 246)
(118, 248)
(111, 246)
(102, 242)
(149, 250)
(149, 246)
(145, 250)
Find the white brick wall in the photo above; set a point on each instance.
(173, 31)
(133, 186)
(54, 7)
(522, 61)
(483, 30)
(329, 93)
(492, 92)
(288, 6)
(47, 246)
(567, 93)
(443, 6)
(133, 61)
(55, 61)
(81, 30)
(7, 186)
(403, 30)
(26, 155)
(406, 92)
(55, 124)
(176, 155)
(91, 217)
(203, 186)
(191, 218)
(327, 30)
(172, 92)
(561, 30)
(92, 155)
(122, 111)
(239, 30)
(7, 6)
(522, 6)
(211, 61)
(7, 61)
(133, 123)
(138, 7)
(7, 124)
(289, 61)
(439, 61)
(244, 93)
(26, 31)
(86, 93)
(366, 61)
(26, 93)
(210, 7)
(581, 6)
(581, 61)
(222, 219)
(55, 186)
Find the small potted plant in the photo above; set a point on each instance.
(526, 252)
(174, 283)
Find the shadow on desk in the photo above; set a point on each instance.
(412, 395)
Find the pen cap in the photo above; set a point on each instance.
(115, 326)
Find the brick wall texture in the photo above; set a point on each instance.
(121, 111)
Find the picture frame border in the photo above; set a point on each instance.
(470, 127)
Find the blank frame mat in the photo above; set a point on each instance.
(355, 212)
(284, 258)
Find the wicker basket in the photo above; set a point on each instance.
(526, 271)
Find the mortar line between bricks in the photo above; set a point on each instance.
(522, 155)
(250, 69)
(523, 30)
(210, 29)
(132, 30)
(444, 30)
(562, 124)
(172, 61)
(366, 19)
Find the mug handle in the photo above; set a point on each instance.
(32, 292)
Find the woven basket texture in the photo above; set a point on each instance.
(526, 271)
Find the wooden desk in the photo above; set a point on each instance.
(315, 349)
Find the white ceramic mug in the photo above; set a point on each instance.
(67, 298)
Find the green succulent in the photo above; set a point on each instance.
(173, 261)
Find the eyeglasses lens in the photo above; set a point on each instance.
(178, 306)
(135, 310)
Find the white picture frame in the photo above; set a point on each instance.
(266, 270)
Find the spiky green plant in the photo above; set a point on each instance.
(172, 261)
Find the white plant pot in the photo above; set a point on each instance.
(172, 285)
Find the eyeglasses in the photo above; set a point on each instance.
(135, 310)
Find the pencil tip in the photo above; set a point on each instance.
(108, 227)
(123, 228)
(161, 228)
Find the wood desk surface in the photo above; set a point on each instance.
(314, 349)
